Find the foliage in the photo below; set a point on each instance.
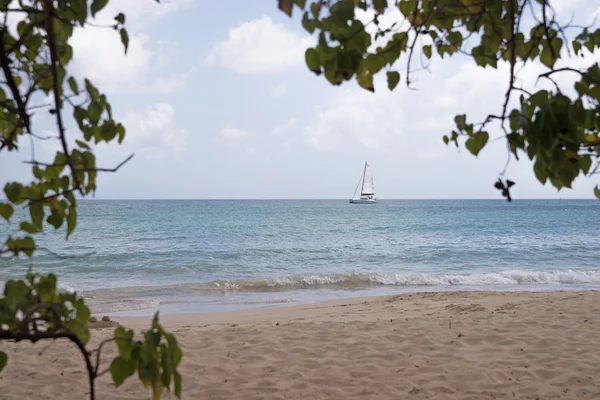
(34, 57)
(560, 134)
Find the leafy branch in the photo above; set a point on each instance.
(34, 63)
(549, 127)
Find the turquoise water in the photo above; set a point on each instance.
(192, 256)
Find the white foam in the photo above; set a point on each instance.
(509, 277)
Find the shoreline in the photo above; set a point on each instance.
(289, 312)
(445, 345)
(241, 301)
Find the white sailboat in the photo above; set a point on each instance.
(367, 192)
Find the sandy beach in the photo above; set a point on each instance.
(454, 345)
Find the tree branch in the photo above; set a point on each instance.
(37, 336)
(115, 169)
(10, 81)
(48, 8)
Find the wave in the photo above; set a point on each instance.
(143, 297)
(357, 281)
(365, 280)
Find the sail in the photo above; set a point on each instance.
(367, 186)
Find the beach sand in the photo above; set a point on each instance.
(457, 345)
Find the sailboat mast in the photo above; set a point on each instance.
(359, 184)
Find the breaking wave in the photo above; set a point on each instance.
(365, 280)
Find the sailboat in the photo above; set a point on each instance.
(367, 191)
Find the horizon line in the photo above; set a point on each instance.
(328, 199)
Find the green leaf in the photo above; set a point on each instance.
(4, 360)
(597, 191)
(28, 245)
(308, 24)
(393, 77)
(124, 339)
(83, 145)
(97, 5)
(365, 81)
(380, 5)
(477, 142)
(427, 50)
(461, 122)
(177, 377)
(300, 3)
(56, 220)
(13, 192)
(124, 38)
(286, 6)
(407, 7)
(312, 60)
(73, 85)
(71, 220)
(94, 113)
(539, 171)
(36, 211)
(585, 163)
(6, 211)
(28, 227)
(120, 18)
(121, 369)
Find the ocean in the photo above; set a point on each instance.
(133, 257)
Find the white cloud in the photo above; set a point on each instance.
(99, 54)
(278, 91)
(233, 134)
(374, 121)
(154, 132)
(259, 47)
(287, 127)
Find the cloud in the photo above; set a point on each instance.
(288, 127)
(233, 134)
(141, 14)
(154, 133)
(259, 47)
(99, 55)
(278, 91)
(374, 121)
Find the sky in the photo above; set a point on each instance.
(218, 103)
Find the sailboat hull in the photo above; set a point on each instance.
(363, 201)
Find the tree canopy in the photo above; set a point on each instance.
(557, 131)
(34, 58)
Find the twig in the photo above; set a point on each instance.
(98, 350)
(115, 169)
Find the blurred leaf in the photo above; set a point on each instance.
(71, 220)
(3, 360)
(477, 142)
(124, 38)
(120, 18)
(73, 85)
(6, 211)
(121, 369)
(286, 6)
(427, 51)
(393, 78)
(312, 60)
(97, 5)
